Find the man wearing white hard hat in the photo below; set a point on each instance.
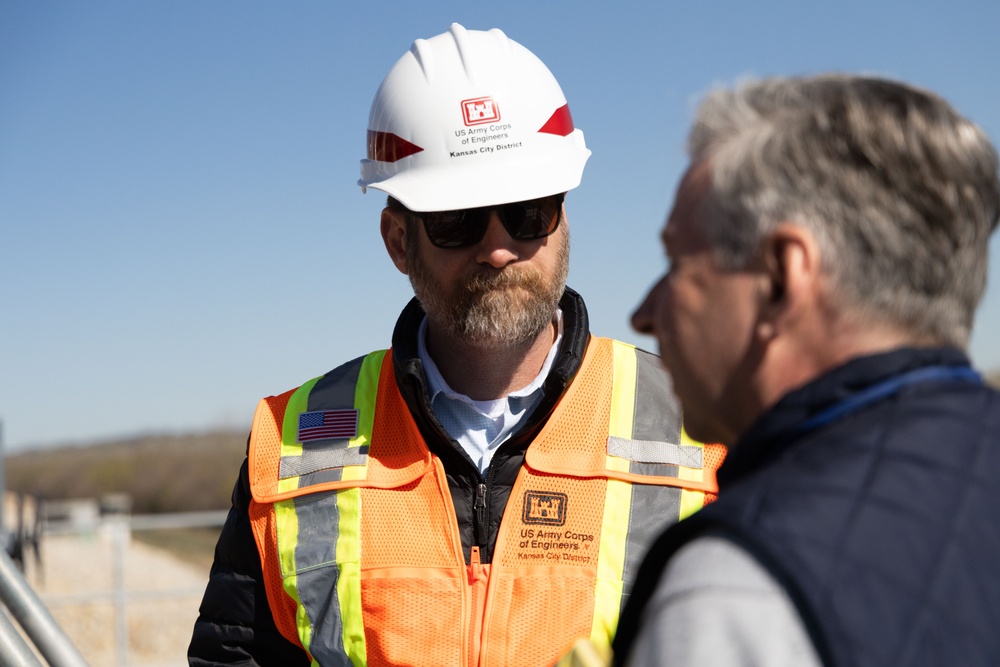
(482, 492)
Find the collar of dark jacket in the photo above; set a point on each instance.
(763, 441)
(412, 381)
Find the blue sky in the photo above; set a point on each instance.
(180, 228)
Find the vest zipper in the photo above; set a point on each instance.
(479, 506)
(477, 586)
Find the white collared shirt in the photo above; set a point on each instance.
(481, 426)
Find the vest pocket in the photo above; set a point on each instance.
(413, 616)
(537, 616)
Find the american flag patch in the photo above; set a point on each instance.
(328, 425)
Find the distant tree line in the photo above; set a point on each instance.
(161, 473)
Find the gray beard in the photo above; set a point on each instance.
(494, 307)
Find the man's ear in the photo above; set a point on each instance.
(791, 264)
(394, 235)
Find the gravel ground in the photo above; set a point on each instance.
(79, 579)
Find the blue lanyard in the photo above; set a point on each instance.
(885, 389)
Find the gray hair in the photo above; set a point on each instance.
(901, 192)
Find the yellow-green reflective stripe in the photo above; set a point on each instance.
(365, 395)
(617, 503)
(288, 536)
(611, 561)
(691, 501)
(622, 400)
(349, 508)
(290, 446)
(349, 582)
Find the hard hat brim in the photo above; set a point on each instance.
(475, 180)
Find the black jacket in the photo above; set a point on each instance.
(871, 496)
(235, 625)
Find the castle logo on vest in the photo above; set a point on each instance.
(547, 509)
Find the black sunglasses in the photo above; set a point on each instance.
(523, 220)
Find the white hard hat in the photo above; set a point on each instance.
(470, 118)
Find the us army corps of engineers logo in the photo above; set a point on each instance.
(483, 134)
(548, 510)
(480, 110)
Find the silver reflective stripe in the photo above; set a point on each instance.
(317, 573)
(657, 411)
(318, 517)
(322, 455)
(650, 451)
(654, 508)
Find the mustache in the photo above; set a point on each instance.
(489, 279)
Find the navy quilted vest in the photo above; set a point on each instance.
(882, 520)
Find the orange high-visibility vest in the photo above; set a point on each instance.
(360, 547)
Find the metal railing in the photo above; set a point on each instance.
(36, 622)
(32, 613)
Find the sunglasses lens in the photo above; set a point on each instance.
(524, 221)
(534, 219)
(455, 229)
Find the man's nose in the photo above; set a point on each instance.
(642, 318)
(496, 248)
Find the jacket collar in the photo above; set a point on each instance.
(768, 437)
(412, 380)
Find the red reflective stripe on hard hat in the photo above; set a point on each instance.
(560, 122)
(388, 147)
